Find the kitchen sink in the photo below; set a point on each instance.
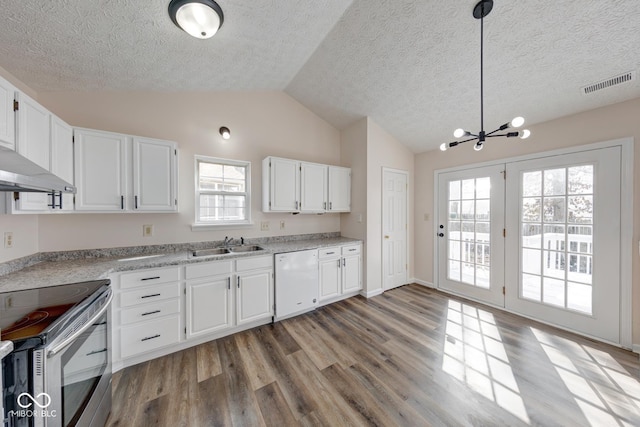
(210, 252)
(247, 248)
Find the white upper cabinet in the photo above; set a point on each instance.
(34, 131)
(100, 170)
(154, 173)
(116, 172)
(339, 189)
(7, 118)
(313, 187)
(62, 158)
(282, 184)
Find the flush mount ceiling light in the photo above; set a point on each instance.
(199, 18)
(481, 10)
(225, 132)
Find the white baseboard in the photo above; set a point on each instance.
(423, 283)
(370, 294)
(636, 348)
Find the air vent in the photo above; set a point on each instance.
(613, 81)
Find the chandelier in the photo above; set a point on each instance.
(481, 10)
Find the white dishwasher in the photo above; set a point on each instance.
(296, 283)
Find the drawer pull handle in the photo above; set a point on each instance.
(96, 352)
(150, 278)
(150, 312)
(351, 250)
(330, 253)
(150, 296)
(150, 338)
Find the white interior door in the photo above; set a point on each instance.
(470, 233)
(394, 228)
(563, 241)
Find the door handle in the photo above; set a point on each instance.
(440, 234)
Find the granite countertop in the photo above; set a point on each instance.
(60, 271)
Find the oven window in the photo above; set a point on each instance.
(83, 364)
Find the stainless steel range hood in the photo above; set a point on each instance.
(17, 173)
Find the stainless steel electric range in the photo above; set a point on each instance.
(59, 373)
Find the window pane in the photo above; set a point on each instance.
(579, 297)
(454, 250)
(531, 209)
(454, 230)
(482, 276)
(454, 270)
(531, 288)
(482, 210)
(554, 182)
(554, 209)
(581, 209)
(554, 264)
(483, 188)
(454, 210)
(468, 209)
(454, 190)
(531, 261)
(231, 182)
(468, 189)
(468, 273)
(531, 235)
(532, 184)
(581, 180)
(553, 291)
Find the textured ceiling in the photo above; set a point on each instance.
(412, 66)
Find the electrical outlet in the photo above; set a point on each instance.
(264, 226)
(8, 239)
(281, 225)
(359, 220)
(147, 230)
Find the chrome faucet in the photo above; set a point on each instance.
(227, 240)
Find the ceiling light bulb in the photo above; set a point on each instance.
(517, 122)
(458, 132)
(478, 146)
(199, 18)
(525, 134)
(225, 132)
(443, 146)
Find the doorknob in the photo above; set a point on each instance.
(440, 234)
(386, 237)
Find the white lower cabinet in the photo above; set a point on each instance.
(150, 317)
(340, 270)
(254, 289)
(208, 306)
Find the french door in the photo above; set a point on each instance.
(563, 241)
(544, 242)
(470, 233)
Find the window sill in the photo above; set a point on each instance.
(227, 226)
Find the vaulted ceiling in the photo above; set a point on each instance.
(412, 66)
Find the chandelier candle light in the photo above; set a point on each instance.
(481, 10)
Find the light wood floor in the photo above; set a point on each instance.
(412, 357)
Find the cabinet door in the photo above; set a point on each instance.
(33, 142)
(330, 272)
(62, 157)
(254, 298)
(339, 189)
(208, 306)
(284, 185)
(154, 175)
(100, 160)
(351, 274)
(34, 132)
(7, 117)
(313, 188)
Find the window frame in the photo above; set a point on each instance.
(247, 193)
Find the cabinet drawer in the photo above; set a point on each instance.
(149, 277)
(149, 311)
(253, 263)
(147, 295)
(208, 269)
(149, 336)
(351, 250)
(329, 253)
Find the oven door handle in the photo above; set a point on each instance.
(55, 350)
